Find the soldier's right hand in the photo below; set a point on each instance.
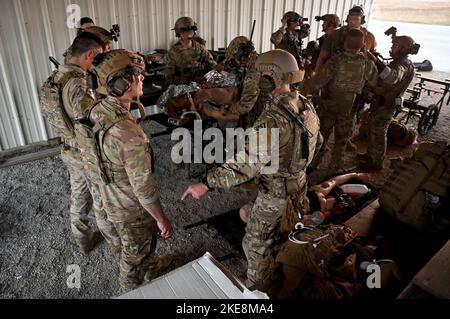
(165, 227)
(284, 22)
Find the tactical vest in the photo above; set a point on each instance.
(417, 192)
(90, 139)
(51, 101)
(350, 73)
(304, 140)
(397, 90)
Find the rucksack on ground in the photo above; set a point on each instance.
(417, 193)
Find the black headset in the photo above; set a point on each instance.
(117, 86)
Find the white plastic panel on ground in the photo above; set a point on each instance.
(204, 278)
(32, 30)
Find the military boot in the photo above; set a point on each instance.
(164, 263)
(87, 246)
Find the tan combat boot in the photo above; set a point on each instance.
(87, 246)
(164, 263)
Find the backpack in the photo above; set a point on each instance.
(50, 98)
(416, 194)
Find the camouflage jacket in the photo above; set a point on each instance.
(67, 55)
(249, 89)
(342, 76)
(186, 63)
(395, 78)
(287, 152)
(334, 44)
(75, 95)
(283, 39)
(125, 151)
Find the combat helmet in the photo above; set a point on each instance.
(408, 44)
(184, 24)
(115, 70)
(234, 46)
(357, 11)
(281, 66)
(292, 15)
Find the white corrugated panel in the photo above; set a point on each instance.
(32, 30)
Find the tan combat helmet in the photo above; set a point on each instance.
(184, 24)
(234, 45)
(103, 34)
(408, 44)
(281, 66)
(115, 68)
(291, 15)
(332, 19)
(357, 11)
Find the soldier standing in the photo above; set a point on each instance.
(75, 103)
(298, 126)
(330, 23)
(131, 198)
(341, 79)
(189, 60)
(394, 79)
(289, 37)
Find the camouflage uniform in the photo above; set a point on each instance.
(188, 65)
(125, 151)
(341, 79)
(394, 80)
(249, 90)
(275, 190)
(284, 40)
(84, 196)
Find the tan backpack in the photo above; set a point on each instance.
(50, 98)
(416, 194)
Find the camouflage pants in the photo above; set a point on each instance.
(262, 231)
(82, 202)
(139, 237)
(342, 122)
(379, 119)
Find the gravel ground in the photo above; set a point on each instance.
(36, 244)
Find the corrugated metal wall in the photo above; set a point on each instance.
(31, 30)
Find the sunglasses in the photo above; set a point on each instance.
(188, 29)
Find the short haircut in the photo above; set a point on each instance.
(86, 20)
(354, 39)
(84, 42)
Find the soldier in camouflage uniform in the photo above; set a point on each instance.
(289, 37)
(330, 23)
(394, 79)
(240, 59)
(131, 198)
(189, 60)
(104, 36)
(341, 79)
(334, 44)
(76, 102)
(298, 126)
